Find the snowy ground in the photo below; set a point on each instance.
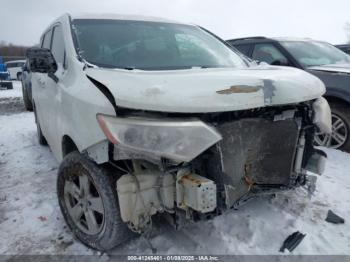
(31, 223)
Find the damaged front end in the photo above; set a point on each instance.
(201, 165)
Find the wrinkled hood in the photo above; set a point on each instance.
(336, 68)
(208, 90)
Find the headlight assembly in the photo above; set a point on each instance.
(322, 115)
(179, 140)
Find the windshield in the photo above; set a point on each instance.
(150, 45)
(315, 53)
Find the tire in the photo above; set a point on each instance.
(41, 138)
(27, 102)
(108, 231)
(343, 112)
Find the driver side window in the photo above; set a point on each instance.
(57, 48)
(270, 54)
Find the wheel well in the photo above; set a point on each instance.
(336, 100)
(68, 145)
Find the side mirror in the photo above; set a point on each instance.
(41, 60)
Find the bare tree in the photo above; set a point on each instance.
(9, 51)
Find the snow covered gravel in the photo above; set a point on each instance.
(31, 223)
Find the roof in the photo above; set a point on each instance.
(295, 39)
(264, 39)
(248, 38)
(124, 17)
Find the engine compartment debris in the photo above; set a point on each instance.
(334, 218)
(292, 241)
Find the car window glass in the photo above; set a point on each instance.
(315, 53)
(47, 40)
(268, 53)
(150, 45)
(192, 48)
(244, 49)
(57, 48)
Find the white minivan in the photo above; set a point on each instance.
(150, 116)
(15, 68)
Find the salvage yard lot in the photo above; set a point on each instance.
(31, 222)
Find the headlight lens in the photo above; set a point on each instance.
(179, 140)
(322, 115)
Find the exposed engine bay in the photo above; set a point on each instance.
(246, 153)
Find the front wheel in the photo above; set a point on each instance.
(340, 137)
(89, 203)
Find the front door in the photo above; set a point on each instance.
(54, 85)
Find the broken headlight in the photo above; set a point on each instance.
(179, 140)
(322, 115)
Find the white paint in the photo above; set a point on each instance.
(195, 90)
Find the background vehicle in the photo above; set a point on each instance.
(153, 116)
(344, 48)
(15, 68)
(26, 80)
(321, 59)
(5, 79)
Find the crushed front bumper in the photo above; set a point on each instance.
(257, 156)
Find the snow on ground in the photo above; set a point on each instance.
(15, 92)
(31, 222)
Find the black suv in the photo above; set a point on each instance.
(321, 59)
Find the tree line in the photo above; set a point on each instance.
(8, 50)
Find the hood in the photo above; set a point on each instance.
(208, 90)
(336, 68)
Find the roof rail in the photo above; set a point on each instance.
(247, 38)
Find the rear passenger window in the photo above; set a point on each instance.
(47, 40)
(57, 48)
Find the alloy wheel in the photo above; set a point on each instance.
(337, 138)
(84, 204)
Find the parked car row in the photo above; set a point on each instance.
(9, 71)
(321, 59)
(15, 68)
(5, 78)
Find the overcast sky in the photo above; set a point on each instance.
(22, 21)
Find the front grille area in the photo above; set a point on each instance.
(254, 151)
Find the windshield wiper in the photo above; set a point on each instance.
(110, 66)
